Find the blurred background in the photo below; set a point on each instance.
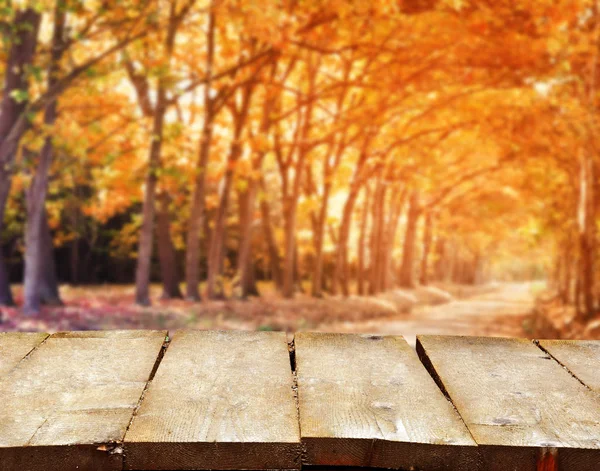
(410, 166)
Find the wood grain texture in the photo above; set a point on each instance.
(68, 405)
(519, 404)
(14, 346)
(366, 400)
(581, 357)
(219, 400)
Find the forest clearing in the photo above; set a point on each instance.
(494, 309)
(302, 164)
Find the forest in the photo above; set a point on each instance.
(329, 147)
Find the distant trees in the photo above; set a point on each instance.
(357, 146)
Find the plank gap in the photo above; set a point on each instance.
(159, 358)
(292, 351)
(427, 363)
(547, 352)
(32, 351)
(34, 347)
(157, 362)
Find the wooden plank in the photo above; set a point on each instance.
(14, 346)
(581, 357)
(220, 400)
(67, 406)
(366, 400)
(524, 410)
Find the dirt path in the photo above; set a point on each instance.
(500, 313)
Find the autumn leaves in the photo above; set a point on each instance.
(354, 146)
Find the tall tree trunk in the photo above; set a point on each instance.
(214, 284)
(6, 298)
(144, 262)
(246, 285)
(73, 212)
(274, 258)
(406, 275)
(319, 236)
(362, 238)
(382, 254)
(291, 210)
(377, 238)
(12, 122)
(587, 222)
(397, 206)
(427, 240)
(340, 278)
(566, 281)
(246, 275)
(197, 215)
(291, 202)
(341, 267)
(297, 274)
(39, 257)
(49, 292)
(166, 250)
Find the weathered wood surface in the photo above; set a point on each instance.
(524, 410)
(226, 400)
(67, 405)
(14, 346)
(219, 400)
(581, 357)
(366, 400)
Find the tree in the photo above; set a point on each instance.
(142, 277)
(22, 39)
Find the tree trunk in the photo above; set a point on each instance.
(274, 258)
(406, 275)
(214, 283)
(397, 206)
(6, 298)
(74, 245)
(565, 283)
(319, 236)
(144, 263)
(49, 292)
(341, 267)
(247, 201)
(246, 285)
(197, 215)
(340, 278)
(587, 221)
(382, 254)
(377, 239)
(166, 250)
(427, 240)
(362, 241)
(39, 257)
(12, 122)
(291, 209)
(291, 203)
(297, 274)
